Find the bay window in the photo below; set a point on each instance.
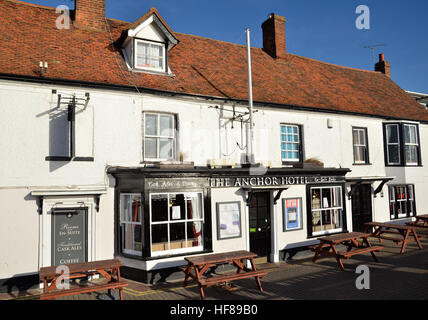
(402, 147)
(176, 221)
(411, 144)
(393, 144)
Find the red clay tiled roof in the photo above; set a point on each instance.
(201, 66)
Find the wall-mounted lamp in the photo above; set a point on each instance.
(43, 65)
(329, 123)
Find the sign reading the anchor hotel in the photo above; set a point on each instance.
(271, 181)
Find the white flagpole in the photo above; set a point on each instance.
(250, 136)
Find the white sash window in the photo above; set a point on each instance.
(159, 137)
(150, 55)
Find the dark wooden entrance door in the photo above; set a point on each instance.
(361, 206)
(259, 216)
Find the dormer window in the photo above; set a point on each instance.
(146, 43)
(150, 55)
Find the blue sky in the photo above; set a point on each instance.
(322, 30)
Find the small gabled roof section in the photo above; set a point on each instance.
(152, 16)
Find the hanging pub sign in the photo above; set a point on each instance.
(272, 181)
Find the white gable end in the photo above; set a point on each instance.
(151, 32)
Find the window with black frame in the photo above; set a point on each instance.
(402, 147)
(176, 222)
(402, 201)
(130, 223)
(326, 210)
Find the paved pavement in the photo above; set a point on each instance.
(395, 276)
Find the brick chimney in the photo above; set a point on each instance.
(90, 14)
(383, 66)
(274, 36)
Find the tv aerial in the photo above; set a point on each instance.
(372, 48)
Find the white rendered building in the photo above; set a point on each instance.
(128, 140)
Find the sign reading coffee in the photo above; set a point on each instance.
(69, 236)
(269, 181)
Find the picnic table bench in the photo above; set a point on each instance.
(327, 247)
(198, 265)
(406, 233)
(420, 222)
(109, 269)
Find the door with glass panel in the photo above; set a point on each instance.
(260, 227)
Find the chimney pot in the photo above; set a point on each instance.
(383, 66)
(274, 36)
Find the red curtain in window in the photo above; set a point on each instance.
(135, 207)
(195, 234)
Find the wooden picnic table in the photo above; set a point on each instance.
(198, 265)
(420, 222)
(356, 243)
(109, 269)
(406, 233)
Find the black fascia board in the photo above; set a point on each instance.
(210, 172)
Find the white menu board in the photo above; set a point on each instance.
(228, 220)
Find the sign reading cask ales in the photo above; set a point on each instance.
(69, 237)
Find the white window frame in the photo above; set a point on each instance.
(359, 145)
(402, 202)
(163, 69)
(122, 221)
(185, 221)
(410, 144)
(158, 137)
(392, 202)
(398, 143)
(317, 233)
(299, 148)
(409, 197)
